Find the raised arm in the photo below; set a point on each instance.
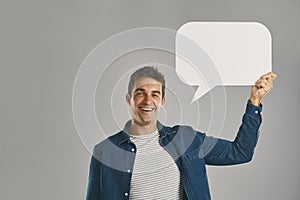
(224, 152)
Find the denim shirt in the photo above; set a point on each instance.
(113, 159)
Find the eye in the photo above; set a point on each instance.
(155, 95)
(139, 94)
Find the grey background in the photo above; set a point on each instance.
(42, 46)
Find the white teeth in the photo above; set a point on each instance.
(147, 109)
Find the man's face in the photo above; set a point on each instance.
(145, 101)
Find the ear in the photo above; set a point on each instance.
(128, 99)
(163, 101)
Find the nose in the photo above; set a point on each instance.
(148, 99)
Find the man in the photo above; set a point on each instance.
(148, 160)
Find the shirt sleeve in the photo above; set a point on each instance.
(223, 152)
(94, 180)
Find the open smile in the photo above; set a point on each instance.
(145, 109)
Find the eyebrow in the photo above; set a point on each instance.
(143, 90)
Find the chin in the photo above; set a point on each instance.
(148, 122)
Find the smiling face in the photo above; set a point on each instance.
(145, 101)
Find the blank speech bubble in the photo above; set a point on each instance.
(224, 53)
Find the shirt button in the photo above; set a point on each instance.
(132, 149)
(256, 111)
(126, 194)
(128, 170)
(260, 113)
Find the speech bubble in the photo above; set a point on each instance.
(231, 54)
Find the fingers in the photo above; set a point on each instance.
(262, 87)
(262, 83)
(265, 83)
(270, 75)
(266, 80)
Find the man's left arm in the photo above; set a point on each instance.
(224, 152)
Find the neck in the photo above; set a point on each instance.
(135, 129)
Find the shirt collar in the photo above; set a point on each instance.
(124, 137)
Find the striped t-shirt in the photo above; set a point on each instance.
(155, 175)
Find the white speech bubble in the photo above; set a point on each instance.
(234, 53)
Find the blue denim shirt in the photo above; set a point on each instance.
(113, 159)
